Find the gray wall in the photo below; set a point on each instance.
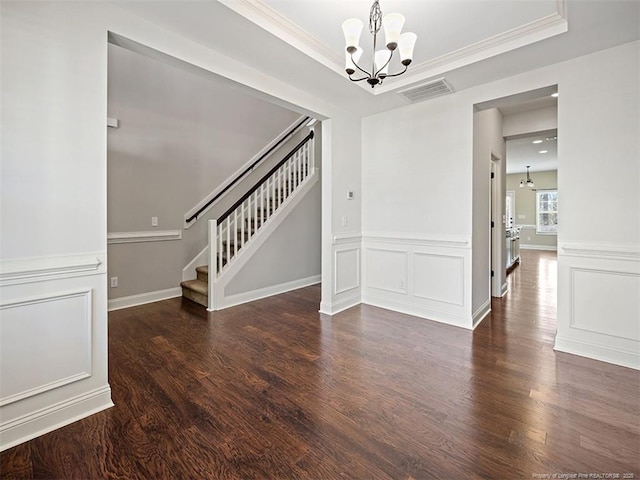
(291, 253)
(526, 208)
(180, 136)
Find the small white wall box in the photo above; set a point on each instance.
(349, 194)
(112, 122)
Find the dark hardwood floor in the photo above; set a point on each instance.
(274, 390)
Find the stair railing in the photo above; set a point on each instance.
(247, 170)
(237, 226)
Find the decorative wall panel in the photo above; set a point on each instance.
(59, 349)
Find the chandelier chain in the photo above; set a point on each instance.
(375, 18)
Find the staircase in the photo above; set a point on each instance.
(237, 229)
(197, 290)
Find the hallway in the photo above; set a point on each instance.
(274, 390)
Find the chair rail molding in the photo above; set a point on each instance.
(146, 236)
(620, 252)
(454, 241)
(28, 270)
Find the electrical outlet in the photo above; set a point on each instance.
(114, 282)
(154, 221)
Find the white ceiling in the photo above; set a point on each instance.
(469, 42)
(522, 152)
(451, 33)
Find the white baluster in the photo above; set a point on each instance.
(235, 231)
(229, 220)
(242, 225)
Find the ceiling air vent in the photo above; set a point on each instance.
(435, 88)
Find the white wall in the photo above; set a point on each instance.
(488, 144)
(417, 216)
(54, 105)
(599, 178)
(538, 120)
(53, 219)
(341, 244)
(416, 172)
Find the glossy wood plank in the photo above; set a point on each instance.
(272, 389)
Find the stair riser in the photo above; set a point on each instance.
(203, 277)
(195, 296)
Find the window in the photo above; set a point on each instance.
(547, 212)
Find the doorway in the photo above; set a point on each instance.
(530, 135)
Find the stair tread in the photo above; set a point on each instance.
(196, 285)
(203, 269)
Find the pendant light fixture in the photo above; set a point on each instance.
(529, 183)
(403, 42)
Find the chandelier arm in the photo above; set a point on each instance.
(397, 74)
(384, 66)
(360, 68)
(358, 79)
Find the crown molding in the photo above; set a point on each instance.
(527, 34)
(277, 24)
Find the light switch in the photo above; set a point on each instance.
(154, 221)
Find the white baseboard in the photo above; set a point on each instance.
(244, 297)
(481, 313)
(141, 299)
(51, 418)
(332, 308)
(548, 248)
(418, 310)
(598, 352)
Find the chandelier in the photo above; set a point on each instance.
(529, 183)
(392, 24)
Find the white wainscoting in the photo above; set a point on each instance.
(599, 302)
(346, 253)
(53, 344)
(429, 277)
(63, 345)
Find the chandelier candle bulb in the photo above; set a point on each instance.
(382, 59)
(352, 29)
(405, 46)
(392, 24)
